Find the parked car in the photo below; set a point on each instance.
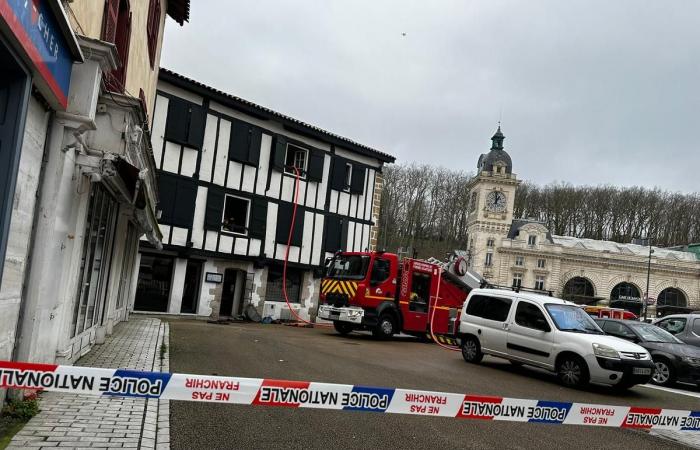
(685, 327)
(550, 333)
(674, 359)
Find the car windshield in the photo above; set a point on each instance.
(348, 266)
(572, 318)
(652, 333)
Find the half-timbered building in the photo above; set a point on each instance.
(226, 170)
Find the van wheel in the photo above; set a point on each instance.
(572, 371)
(471, 350)
(386, 327)
(342, 327)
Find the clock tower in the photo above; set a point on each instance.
(491, 200)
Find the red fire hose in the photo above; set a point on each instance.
(286, 253)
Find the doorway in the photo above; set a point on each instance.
(228, 293)
(14, 96)
(190, 292)
(155, 278)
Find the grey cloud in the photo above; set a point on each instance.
(590, 91)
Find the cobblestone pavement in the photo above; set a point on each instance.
(80, 421)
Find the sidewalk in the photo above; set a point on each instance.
(80, 421)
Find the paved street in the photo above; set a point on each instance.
(81, 421)
(275, 351)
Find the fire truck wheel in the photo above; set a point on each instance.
(471, 350)
(342, 327)
(386, 327)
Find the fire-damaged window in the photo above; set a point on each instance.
(274, 291)
(235, 218)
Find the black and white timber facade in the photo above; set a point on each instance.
(226, 190)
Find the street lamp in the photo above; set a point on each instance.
(646, 294)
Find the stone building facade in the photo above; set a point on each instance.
(521, 252)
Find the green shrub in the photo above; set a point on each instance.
(22, 409)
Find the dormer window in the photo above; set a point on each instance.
(531, 240)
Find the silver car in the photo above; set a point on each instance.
(685, 327)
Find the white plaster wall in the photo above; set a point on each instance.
(21, 223)
(205, 294)
(177, 286)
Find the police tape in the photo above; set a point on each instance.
(347, 397)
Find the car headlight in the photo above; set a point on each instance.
(605, 352)
(691, 360)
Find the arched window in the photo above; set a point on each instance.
(672, 297)
(579, 290)
(627, 296)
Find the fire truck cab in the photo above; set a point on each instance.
(378, 292)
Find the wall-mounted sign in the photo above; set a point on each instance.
(212, 277)
(629, 298)
(36, 29)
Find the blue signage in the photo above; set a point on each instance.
(35, 27)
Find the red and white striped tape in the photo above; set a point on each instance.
(305, 394)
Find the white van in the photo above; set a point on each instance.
(550, 333)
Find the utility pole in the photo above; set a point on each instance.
(646, 295)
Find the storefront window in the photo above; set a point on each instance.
(97, 255)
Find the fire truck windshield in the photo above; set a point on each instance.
(348, 266)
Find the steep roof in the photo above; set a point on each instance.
(517, 224)
(628, 249)
(254, 109)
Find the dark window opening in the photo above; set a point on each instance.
(153, 289)
(420, 292)
(672, 297)
(491, 308)
(190, 292)
(530, 316)
(235, 218)
(296, 157)
(274, 284)
(579, 290)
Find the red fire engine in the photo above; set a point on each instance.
(378, 292)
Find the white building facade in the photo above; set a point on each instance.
(79, 188)
(517, 252)
(226, 182)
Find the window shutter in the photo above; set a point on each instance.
(185, 199)
(198, 119)
(332, 231)
(357, 183)
(279, 151)
(254, 145)
(109, 23)
(238, 142)
(338, 177)
(258, 219)
(153, 29)
(344, 234)
(316, 159)
(117, 81)
(215, 209)
(284, 221)
(167, 188)
(177, 122)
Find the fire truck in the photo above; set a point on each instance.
(380, 292)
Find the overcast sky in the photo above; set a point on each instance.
(589, 92)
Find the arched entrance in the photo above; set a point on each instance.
(579, 290)
(627, 296)
(671, 301)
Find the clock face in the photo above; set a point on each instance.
(496, 201)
